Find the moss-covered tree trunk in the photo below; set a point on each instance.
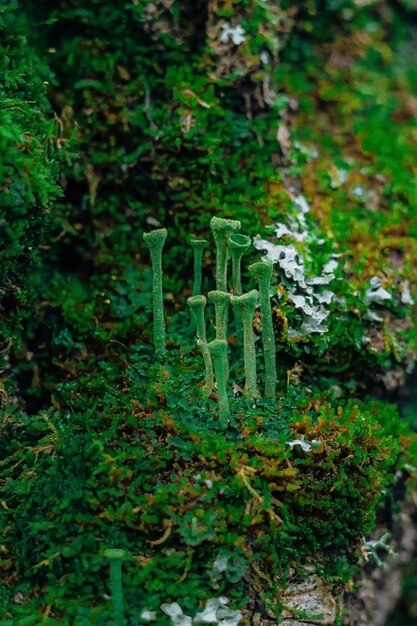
(298, 120)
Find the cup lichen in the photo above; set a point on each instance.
(116, 558)
(155, 241)
(246, 305)
(262, 273)
(220, 300)
(222, 229)
(218, 351)
(197, 305)
(198, 246)
(237, 245)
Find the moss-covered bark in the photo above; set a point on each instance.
(295, 116)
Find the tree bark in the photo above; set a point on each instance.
(377, 590)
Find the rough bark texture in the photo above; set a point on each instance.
(377, 591)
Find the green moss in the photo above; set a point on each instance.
(108, 449)
(31, 148)
(257, 500)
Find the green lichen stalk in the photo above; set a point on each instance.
(222, 229)
(197, 305)
(218, 351)
(198, 246)
(221, 300)
(237, 245)
(246, 305)
(155, 241)
(116, 558)
(262, 272)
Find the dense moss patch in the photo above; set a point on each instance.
(178, 497)
(31, 147)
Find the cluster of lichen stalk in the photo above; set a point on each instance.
(230, 245)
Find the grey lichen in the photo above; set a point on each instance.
(197, 305)
(246, 305)
(216, 611)
(198, 246)
(262, 273)
(218, 351)
(116, 558)
(373, 548)
(237, 245)
(376, 294)
(155, 241)
(222, 229)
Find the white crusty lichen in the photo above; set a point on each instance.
(376, 294)
(406, 297)
(148, 616)
(306, 446)
(235, 34)
(215, 612)
(176, 615)
(306, 293)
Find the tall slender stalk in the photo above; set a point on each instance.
(218, 351)
(262, 272)
(197, 305)
(237, 246)
(246, 305)
(198, 245)
(155, 241)
(221, 300)
(116, 558)
(222, 229)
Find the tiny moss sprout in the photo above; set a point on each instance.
(155, 241)
(116, 558)
(246, 305)
(237, 244)
(222, 229)
(218, 351)
(262, 272)
(198, 246)
(197, 305)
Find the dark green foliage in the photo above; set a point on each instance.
(176, 497)
(29, 156)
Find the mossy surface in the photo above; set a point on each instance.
(31, 149)
(101, 448)
(154, 478)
